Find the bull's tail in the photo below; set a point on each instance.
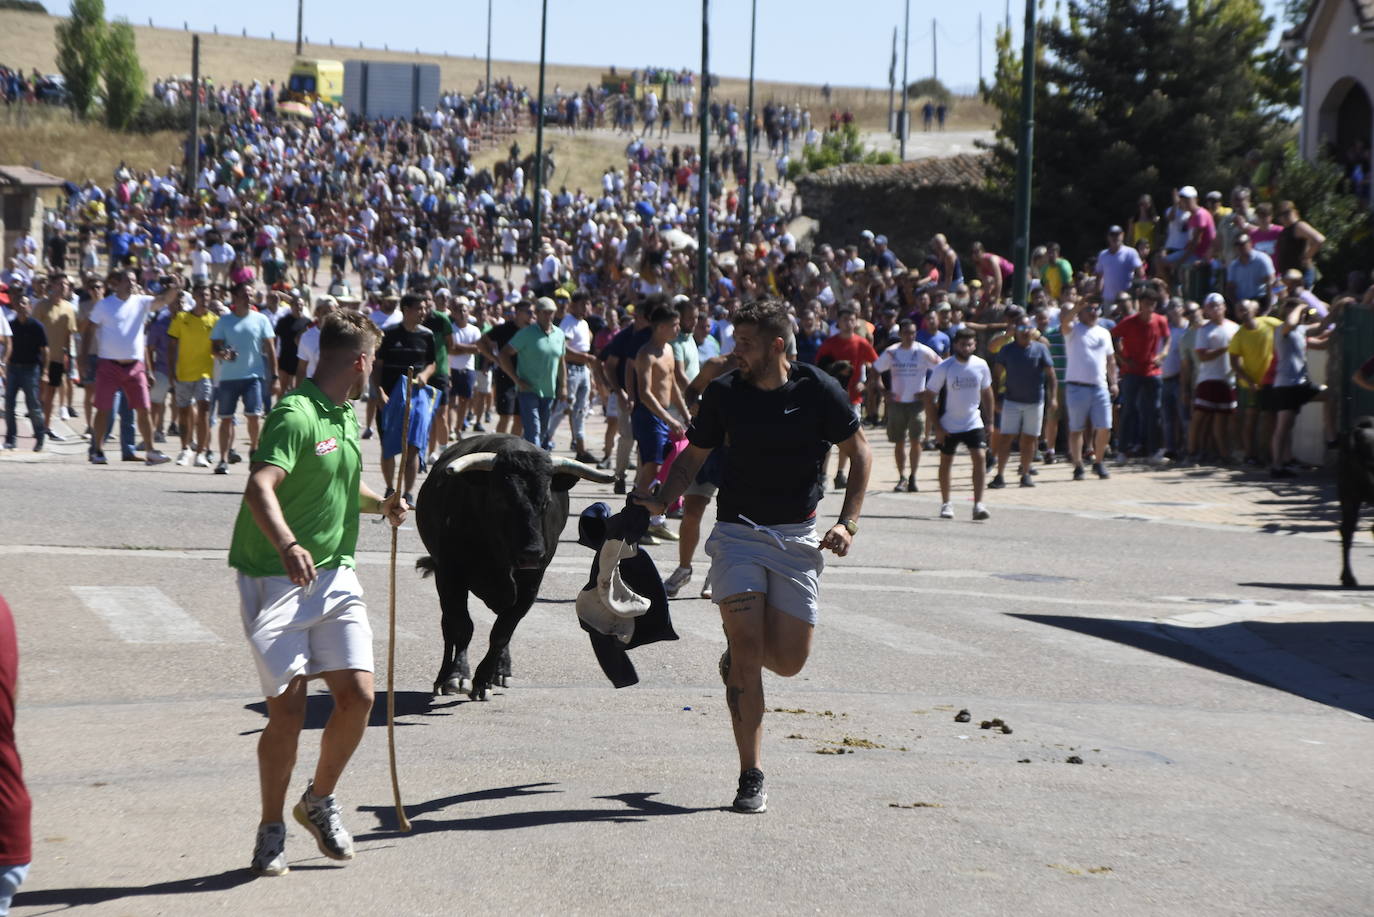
(425, 565)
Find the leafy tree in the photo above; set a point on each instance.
(81, 52)
(1133, 96)
(931, 88)
(123, 76)
(837, 147)
(1319, 189)
(23, 6)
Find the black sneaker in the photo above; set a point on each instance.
(1027, 480)
(911, 484)
(619, 487)
(478, 428)
(1078, 474)
(586, 458)
(1101, 470)
(901, 486)
(998, 483)
(750, 799)
(234, 457)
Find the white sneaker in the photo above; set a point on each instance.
(184, 456)
(980, 512)
(155, 457)
(675, 582)
(321, 817)
(269, 853)
(1157, 458)
(202, 460)
(946, 510)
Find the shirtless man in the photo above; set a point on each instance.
(657, 395)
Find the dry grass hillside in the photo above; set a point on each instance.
(27, 40)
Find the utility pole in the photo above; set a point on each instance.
(892, 83)
(703, 167)
(934, 50)
(746, 225)
(1021, 228)
(487, 100)
(193, 153)
(539, 136)
(300, 24)
(980, 51)
(904, 125)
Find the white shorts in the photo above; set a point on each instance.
(744, 559)
(481, 381)
(293, 631)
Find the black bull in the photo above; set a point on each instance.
(1356, 481)
(490, 513)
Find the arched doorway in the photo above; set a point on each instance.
(1346, 118)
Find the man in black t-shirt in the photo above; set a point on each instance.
(503, 386)
(289, 329)
(780, 420)
(405, 347)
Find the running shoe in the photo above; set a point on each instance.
(184, 457)
(663, 532)
(98, 458)
(269, 853)
(234, 457)
(159, 437)
(1027, 481)
(980, 512)
(911, 484)
(998, 483)
(675, 582)
(320, 815)
(901, 486)
(70, 412)
(946, 510)
(202, 460)
(55, 437)
(222, 468)
(619, 487)
(1078, 474)
(1101, 470)
(750, 799)
(156, 457)
(706, 589)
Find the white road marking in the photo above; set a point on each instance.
(142, 614)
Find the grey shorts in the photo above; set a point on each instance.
(159, 385)
(293, 631)
(1021, 419)
(199, 390)
(701, 489)
(783, 562)
(481, 381)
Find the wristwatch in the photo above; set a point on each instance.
(850, 526)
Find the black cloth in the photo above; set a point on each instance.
(288, 330)
(778, 441)
(27, 339)
(626, 345)
(638, 573)
(402, 351)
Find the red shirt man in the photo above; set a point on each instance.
(850, 347)
(1142, 337)
(15, 806)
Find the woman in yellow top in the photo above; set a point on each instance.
(1144, 223)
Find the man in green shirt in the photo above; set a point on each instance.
(301, 602)
(542, 374)
(437, 320)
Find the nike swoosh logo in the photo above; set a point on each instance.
(791, 410)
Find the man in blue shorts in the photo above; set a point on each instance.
(244, 343)
(660, 411)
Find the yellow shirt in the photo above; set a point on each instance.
(195, 359)
(1255, 348)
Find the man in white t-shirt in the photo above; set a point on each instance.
(308, 346)
(959, 395)
(1214, 396)
(579, 359)
(1090, 377)
(462, 353)
(116, 328)
(906, 363)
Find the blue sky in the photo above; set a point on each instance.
(811, 41)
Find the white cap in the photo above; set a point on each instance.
(1187, 191)
(1214, 298)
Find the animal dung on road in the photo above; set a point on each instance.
(1073, 759)
(963, 716)
(996, 724)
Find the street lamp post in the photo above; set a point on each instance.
(703, 161)
(1020, 280)
(539, 136)
(746, 223)
(487, 100)
(904, 126)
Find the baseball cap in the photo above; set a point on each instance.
(561, 293)
(1292, 274)
(1213, 195)
(544, 304)
(867, 234)
(1114, 230)
(1187, 191)
(1214, 298)
(880, 240)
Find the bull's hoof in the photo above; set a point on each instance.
(455, 685)
(501, 681)
(478, 692)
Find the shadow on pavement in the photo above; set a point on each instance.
(1307, 587)
(408, 703)
(638, 807)
(1323, 661)
(74, 897)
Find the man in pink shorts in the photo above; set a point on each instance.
(117, 328)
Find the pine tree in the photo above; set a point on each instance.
(81, 52)
(123, 77)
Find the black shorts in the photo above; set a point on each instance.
(507, 402)
(973, 439)
(462, 383)
(1292, 397)
(55, 374)
(440, 385)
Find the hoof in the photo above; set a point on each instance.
(454, 685)
(502, 681)
(477, 693)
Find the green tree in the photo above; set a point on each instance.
(123, 76)
(1134, 96)
(929, 87)
(1319, 189)
(81, 52)
(836, 147)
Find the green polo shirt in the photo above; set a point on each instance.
(315, 441)
(539, 355)
(442, 326)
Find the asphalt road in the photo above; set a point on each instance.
(1202, 788)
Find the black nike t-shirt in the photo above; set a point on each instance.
(777, 441)
(402, 351)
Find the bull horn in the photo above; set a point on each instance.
(473, 461)
(586, 472)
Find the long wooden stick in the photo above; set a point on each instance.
(397, 476)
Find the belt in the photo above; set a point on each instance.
(122, 362)
(1089, 384)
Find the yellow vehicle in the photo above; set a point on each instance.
(313, 80)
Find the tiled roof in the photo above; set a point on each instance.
(965, 170)
(23, 176)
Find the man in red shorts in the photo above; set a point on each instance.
(116, 328)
